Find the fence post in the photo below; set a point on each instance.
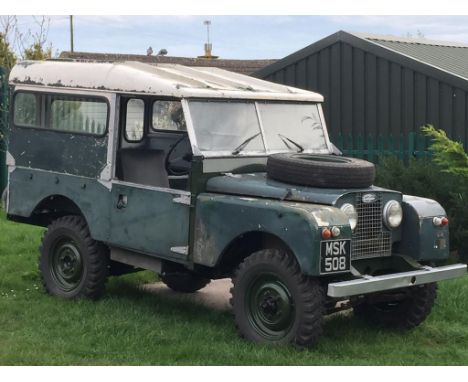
(411, 146)
(3, 126)
(370, 148)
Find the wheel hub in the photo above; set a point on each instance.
(66, 265)
(270, 307)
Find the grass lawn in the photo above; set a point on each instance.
(133, 327)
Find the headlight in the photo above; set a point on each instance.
(392, 214)
(351, 213)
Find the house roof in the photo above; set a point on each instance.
(156, 79)
(446, 58)
(238, 66)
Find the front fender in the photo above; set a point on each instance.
(421, 240)
(222, 218)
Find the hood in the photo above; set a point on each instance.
(257, 184)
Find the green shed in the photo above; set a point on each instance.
(379, 90)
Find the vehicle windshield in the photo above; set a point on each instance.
(234, 127)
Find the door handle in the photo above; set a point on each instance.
(122, 201)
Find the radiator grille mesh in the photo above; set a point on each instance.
(370, 239)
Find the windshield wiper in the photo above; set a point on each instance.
(284, 139)
(241, 147)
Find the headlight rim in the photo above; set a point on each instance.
(386, 217)
(355, 217)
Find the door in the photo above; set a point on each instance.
(147, 214)
(150, 220)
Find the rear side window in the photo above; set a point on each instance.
(78, 114)
(27, 109)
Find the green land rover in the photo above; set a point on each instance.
(201, 174)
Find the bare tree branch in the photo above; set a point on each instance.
(27, 43)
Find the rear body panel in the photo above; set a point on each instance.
(75, 154)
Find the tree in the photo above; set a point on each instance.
(7, 56)
(449, 155)
(37, 52)
(26, 45)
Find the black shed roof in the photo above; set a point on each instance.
(443, 59)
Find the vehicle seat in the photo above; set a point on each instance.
(143, 166)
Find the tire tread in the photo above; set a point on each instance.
(311, 295)
(96, 253)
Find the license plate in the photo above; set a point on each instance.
(335, 256)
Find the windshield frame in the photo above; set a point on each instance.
(246, 152)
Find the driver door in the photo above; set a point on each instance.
(147, 215)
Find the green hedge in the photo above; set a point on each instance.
(422, 177)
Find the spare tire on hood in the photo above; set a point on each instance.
(328, 171)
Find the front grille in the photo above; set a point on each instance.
(369, 237)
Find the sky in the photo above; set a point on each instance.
(241, 37)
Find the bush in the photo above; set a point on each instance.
(444, 178)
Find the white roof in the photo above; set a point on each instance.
(157, 79)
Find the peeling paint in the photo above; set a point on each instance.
(259, 185)
(63, 152)
(10, 160)
(142, 78)
(297, 224)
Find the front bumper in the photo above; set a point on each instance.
(369, 284)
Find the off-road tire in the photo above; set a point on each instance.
(184, 281)
(306, 295)
(406, 314)
(326, 171)
(91, 276)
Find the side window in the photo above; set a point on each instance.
(134, 120)
(168, 115)
(27, 110)
(78, 114)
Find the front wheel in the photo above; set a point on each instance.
(274, 302)
(408, 309)
(72, 264)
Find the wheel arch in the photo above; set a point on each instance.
(293, 225)
(51, 208)
(245, 244)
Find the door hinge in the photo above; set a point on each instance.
(182, 199)
(180, 250)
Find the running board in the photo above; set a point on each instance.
(135, 259)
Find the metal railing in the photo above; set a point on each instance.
(371, 147)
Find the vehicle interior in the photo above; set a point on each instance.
(154, 147)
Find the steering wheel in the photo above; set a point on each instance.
(172, 159)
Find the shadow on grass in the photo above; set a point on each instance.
(338, 328)
(150, 304)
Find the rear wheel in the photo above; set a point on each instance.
(406, 312)
(71, 263)
(274, 302)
